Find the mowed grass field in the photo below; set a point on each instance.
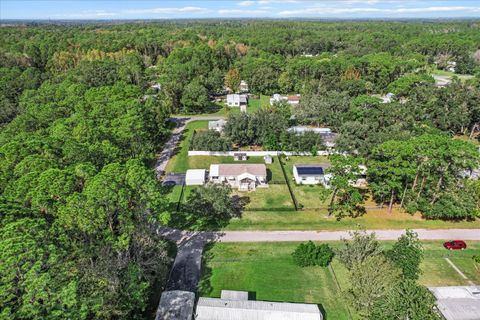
(267, 269)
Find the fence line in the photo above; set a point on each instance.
(256, 153)
(292, 195)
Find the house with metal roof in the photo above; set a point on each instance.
(244, 177)
(217, 125)
(458, 302)
(234, 305)
(310, 173)
(236, 100)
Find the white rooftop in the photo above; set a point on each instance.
(458, 302)
(224, 309)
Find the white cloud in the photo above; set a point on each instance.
(337, 10)
(246, 3)
(171, 10)
(227, 12)
(98, 14)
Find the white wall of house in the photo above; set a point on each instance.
(256, 153)
(306, 179)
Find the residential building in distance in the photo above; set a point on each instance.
(310, 173)
(293, 99)
(236, 100)
(243, 86)
(329, 138)
(244, 177)
(217, 125)
(234, 305)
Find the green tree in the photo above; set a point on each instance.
(407, 254)
(361, 246)
(195, 97)
(309, 254)
(406, 301)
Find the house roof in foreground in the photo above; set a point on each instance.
(220, 309)
(176, 305)
(458, 302)
(238, 169)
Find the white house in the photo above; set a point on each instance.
(243, 86)
(234, 305)
(301, 130)
(236, 100)
(293, 100)
(217, 125)
(195, 177)
(244, 177)
(310, 173)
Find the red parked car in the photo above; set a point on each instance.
(455, 245)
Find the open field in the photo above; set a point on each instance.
(267, 269)
(276, 198)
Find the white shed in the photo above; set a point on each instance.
(195, 177)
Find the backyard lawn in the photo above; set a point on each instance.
(276, 198)
(267, 270)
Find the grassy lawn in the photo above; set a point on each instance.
(267, 270)
(309, 196)
(276, 197)
(318, 220)
(179, 162)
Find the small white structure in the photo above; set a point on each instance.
(237, 307)
(176, 305)
(268, 159)
(243, 86)
(293, 100)
(244, 177)
(458, 302)
(217, 125)
(195, 177)
(236, 100)
(276, 98)
(157, 87)
(310, 173)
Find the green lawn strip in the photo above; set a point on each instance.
(267, 269)
(179, 162)
(318, 220)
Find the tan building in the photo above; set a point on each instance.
(244, 177)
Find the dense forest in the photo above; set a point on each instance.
(81, 124)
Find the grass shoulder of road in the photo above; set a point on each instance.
(267, 270)
(319, 220)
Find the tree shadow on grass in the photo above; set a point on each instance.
(204, 284)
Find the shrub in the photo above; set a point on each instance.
(308, 254)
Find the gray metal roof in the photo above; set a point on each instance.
(222, 309)
(458, 302)
(176, 305)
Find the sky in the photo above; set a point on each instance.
(277, 9)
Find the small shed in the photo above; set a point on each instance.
(240, 156)
(195, 177)
(268, 159)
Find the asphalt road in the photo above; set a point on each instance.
(186, 269)
(169, 148)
